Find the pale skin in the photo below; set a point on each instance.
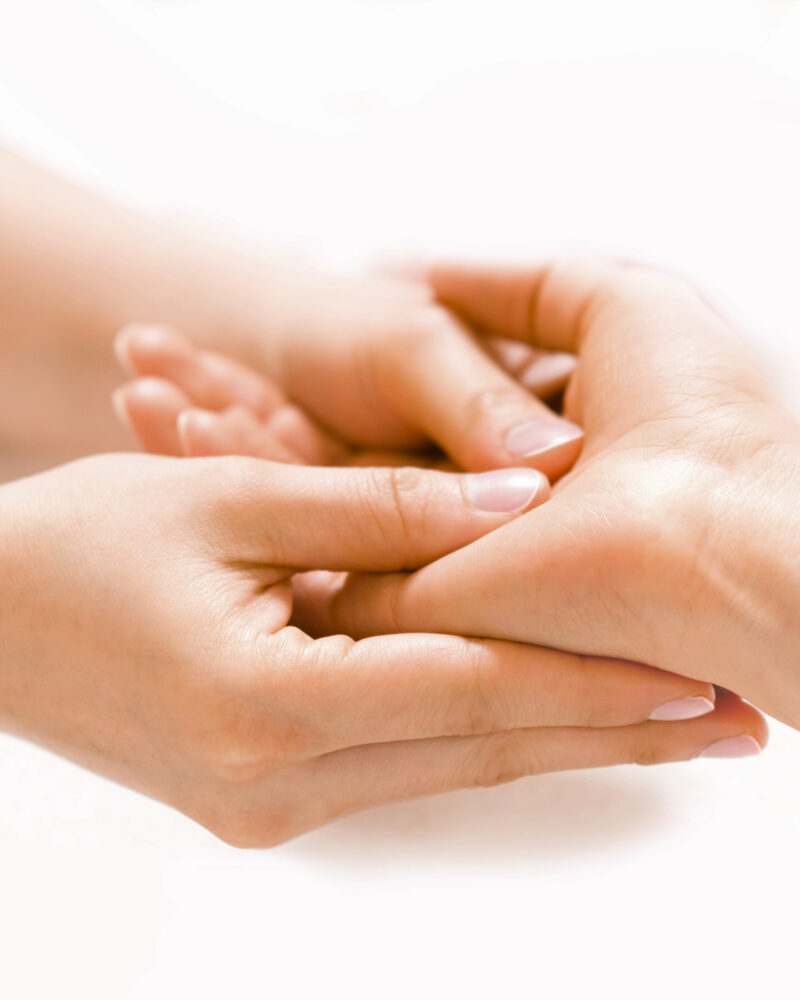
(147, 602)
(675, 539)
(145, 618)
(375, 362)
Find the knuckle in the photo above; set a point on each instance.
(245, 744)
(503, 758)
(306, 687)
(474, 711)
(646, 753)
(232, 759)
(396, 500)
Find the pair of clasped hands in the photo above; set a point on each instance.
(319, 612)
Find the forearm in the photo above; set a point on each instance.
(73, 269)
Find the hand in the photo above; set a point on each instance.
(378, 365)
(144, 621)
(375, 361)
(674, 541)
(194, 403)
(197, 403)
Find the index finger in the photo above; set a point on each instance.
(557, 304)
(509, 300)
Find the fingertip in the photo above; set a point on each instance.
(506, 491)
(550, 443)
(197, 431)
(548, 373)
(137, 343)
(744, 731)
(148, 407)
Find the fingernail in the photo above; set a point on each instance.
(118, 403)
(503, 490)
(734, 746)
(540, 434)
(549, 369)
(198, 419)
(146, 335)
(682, 708)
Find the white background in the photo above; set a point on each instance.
(361, 128)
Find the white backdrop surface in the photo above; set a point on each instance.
(365, 128)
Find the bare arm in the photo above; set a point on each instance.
(376, 362)
(73, 268)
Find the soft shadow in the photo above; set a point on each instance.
(546, 817)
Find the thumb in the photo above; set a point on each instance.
(548, 579)
(375, 519)
(441, 381)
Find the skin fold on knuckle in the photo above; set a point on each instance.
(647, 750)
(505, 757)
(321, 692)
(233, 757)
(237, 741)
(478, 693)
(396, 502)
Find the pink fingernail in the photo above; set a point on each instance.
(682, 708)
(549, 369)
(540, 434)
(733, 746)
(503, 491)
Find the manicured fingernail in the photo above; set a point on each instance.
(548, 370)
(733, 746)
(503, 490)
(540, 434)
(682, 708)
